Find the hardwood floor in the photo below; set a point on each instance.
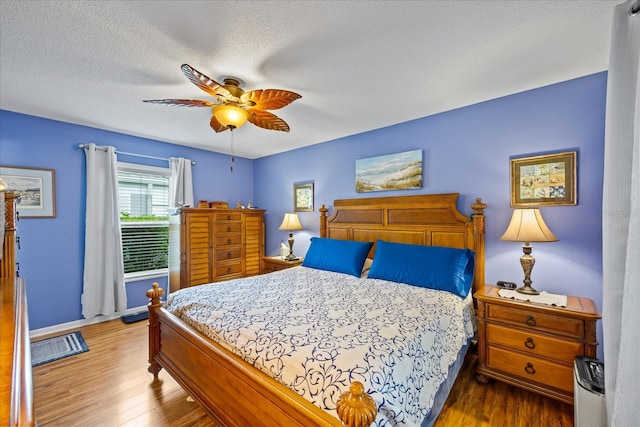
(110, 386)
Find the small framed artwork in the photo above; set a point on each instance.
(303, 197)
(545, 180)
(36, 188)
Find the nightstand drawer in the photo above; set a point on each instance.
(536, 321)
(527, 342)
(275, 263)
(531, 369)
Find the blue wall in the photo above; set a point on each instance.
(466, 150)
(52, 249)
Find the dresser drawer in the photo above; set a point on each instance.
(228, 254)
(532, 343)
(229, 216)
(229, 227)
(228, 269)
(536, 321)
(531, 369)
(228, 240)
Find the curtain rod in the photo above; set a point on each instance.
(131, 154)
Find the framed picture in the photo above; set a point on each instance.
(400, 171)
(546, 180)
(303, 197)
(36, 188)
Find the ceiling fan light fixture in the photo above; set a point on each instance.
(230, 116)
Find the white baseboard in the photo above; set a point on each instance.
(83, 322)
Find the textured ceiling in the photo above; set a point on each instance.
(359, 65)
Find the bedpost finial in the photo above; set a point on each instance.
(356, 408)
(479, 207)
(155, 293)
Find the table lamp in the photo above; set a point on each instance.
(290, 222)
(528, 226)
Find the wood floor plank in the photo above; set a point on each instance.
(109, 386)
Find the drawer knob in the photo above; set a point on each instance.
(229, 228)
(228, 269)
(529, 369)
(228, 241)
(228, 217)
(529, 343)
(530, 321)
(228, 254)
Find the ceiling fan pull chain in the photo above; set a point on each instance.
(232, 156)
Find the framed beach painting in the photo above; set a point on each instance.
(400, 171)
(545, 180)
(36, 188)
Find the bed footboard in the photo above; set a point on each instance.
(230, 390)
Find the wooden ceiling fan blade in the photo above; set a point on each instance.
(204, 82)
(182, 102)
(216, 125)
(269, 99)
(267, 120)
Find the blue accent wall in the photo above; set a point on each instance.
(466, 150)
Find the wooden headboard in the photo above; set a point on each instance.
(432, 220)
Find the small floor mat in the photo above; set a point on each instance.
(130, 318)
(56, 348)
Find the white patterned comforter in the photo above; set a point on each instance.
(317, 331)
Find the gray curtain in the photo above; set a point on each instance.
(181, 183)
(103, 288)
(620, 221)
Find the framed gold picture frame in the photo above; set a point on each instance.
(36, 188)
(303, 197)
(544, 180)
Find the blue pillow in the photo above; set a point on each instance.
(434, 267)
(342, 256)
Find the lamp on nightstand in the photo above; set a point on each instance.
(528, 226)
(291, 223)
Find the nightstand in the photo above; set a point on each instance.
(275, 263)
(533, 346)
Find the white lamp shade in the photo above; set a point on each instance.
(527, 225)
(290, 222)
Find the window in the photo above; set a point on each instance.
(143, 195)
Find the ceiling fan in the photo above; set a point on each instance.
(233, 106)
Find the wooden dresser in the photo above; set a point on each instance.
(533, 346)
(210, 245)
(16, 384)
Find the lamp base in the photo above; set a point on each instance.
(528, 290)
(291, 257)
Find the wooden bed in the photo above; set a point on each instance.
(233, 392)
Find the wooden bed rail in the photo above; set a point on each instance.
(354, 408)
